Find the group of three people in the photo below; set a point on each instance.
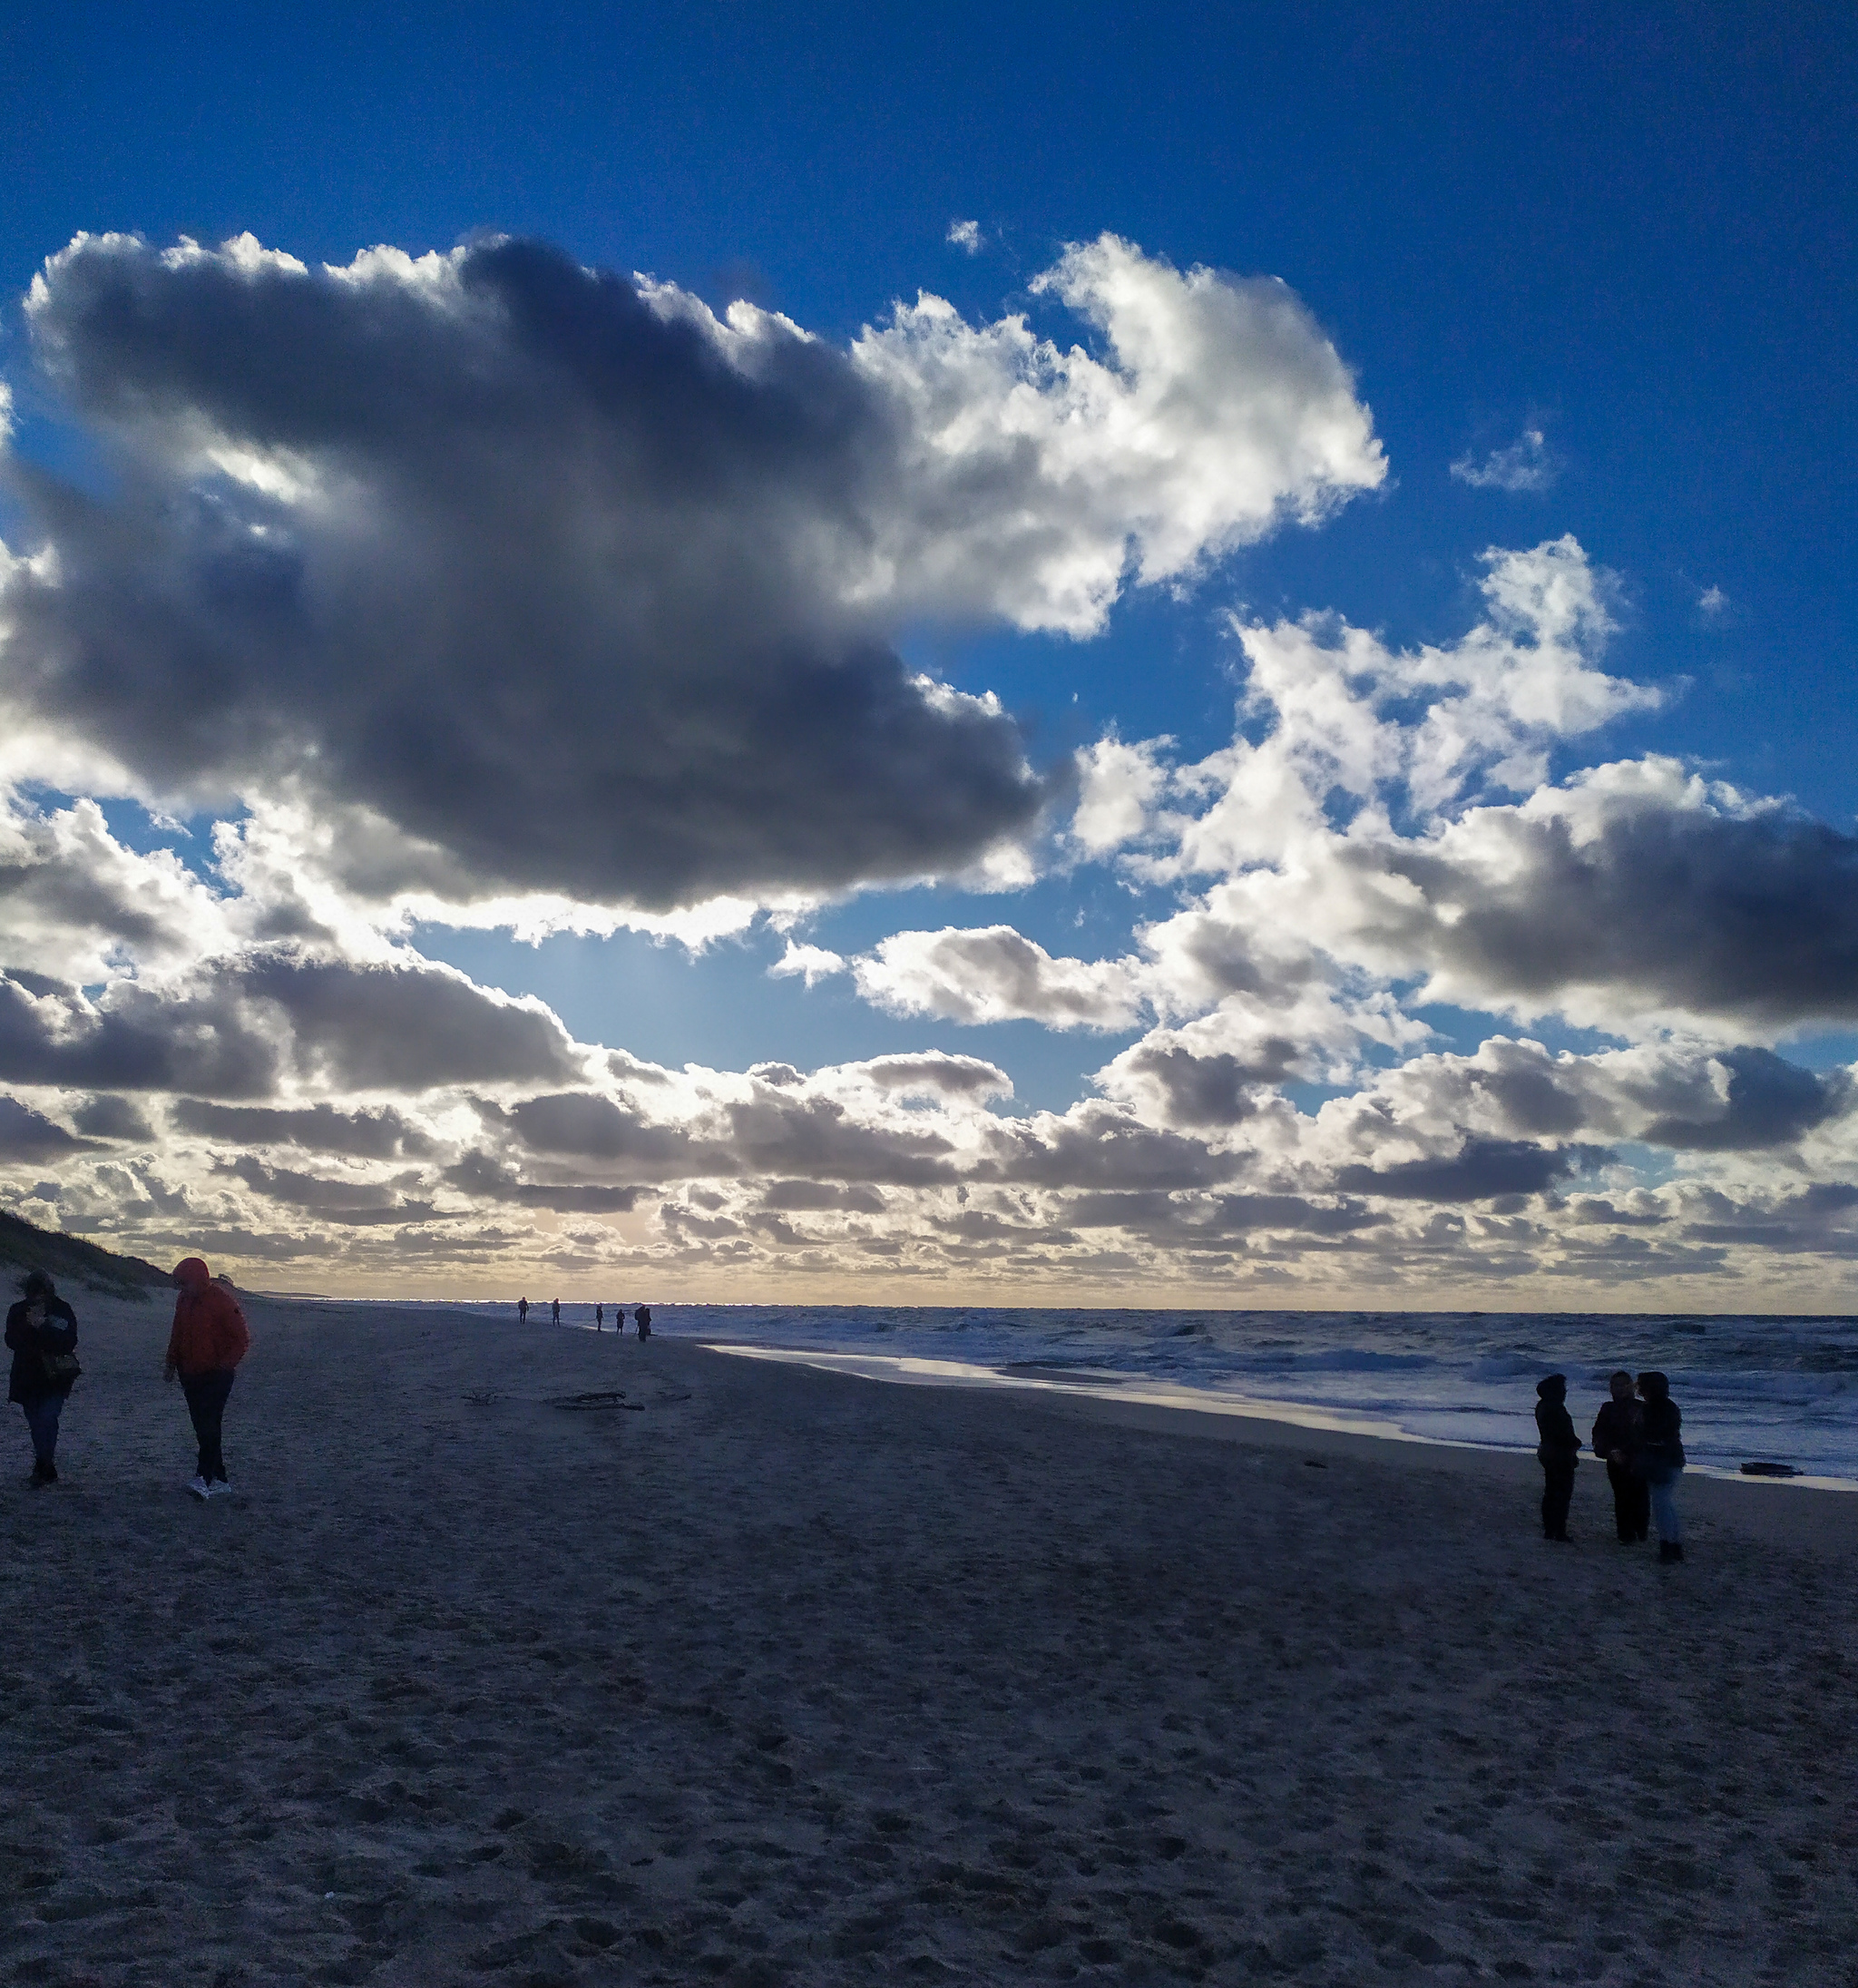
(208, 1339)
(1639, 1434)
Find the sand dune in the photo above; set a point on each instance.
(786, 1677)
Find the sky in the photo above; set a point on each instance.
(1105, 657)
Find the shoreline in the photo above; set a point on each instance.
(912, 1370)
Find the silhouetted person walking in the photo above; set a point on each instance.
(599, 1313)
(1615, 1437)
(1659, 1460)
(521, 1311)
(1558, 1452)
(555, 1312)
(42, 1330)
(208, 1340)
(643, 1316)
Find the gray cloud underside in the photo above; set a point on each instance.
(557, 620)
(1753, 916)
(238, 1028)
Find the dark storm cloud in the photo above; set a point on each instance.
(538, 575)
(1096, 1146)
(1754, 916)
(777, 1132)
(1174, 1220)
(231, 1031)
(382, 1134)
(484, 1180)
(1482, 1169)
(1822, 1219)
(404, 1027)
(337, 1199)
(804, 1197)
(1770, 1103)
(112, 1118)
(1201, 1092)
(133, 1039)
(26, 1135)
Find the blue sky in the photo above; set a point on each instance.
(1599, 259)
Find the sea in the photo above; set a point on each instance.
(1753, 1388)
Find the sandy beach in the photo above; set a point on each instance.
(788, 1677)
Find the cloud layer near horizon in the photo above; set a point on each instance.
(483, 588)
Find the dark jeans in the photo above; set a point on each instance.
(42, 1419)
(1631, 1502)
(1558, 1488)
(206, 1403)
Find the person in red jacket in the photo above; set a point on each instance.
(208, 1340)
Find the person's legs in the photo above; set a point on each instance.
(1558, 1489)
(1641, 1506)
(206, 1404)
(1664, 1509)
(1629, 1493)
(42, 1421)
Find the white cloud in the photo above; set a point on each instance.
(1118, 787)
(965, 235)
(994, 974)
(1035, 479)
(1712, 603)
(813, 962)
(1526, 464)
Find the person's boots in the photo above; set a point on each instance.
(1668, 1551)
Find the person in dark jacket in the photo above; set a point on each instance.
(1659, 1458)
(555, 1313)
(1558, 1452)
(1615, 1437)
(643, 1314)
(208, 1340)
(42, 1330)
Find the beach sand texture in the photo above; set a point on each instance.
(794, 1677)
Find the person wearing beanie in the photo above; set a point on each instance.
(208, 1340)
(1558, 1451)
(1659, 1460)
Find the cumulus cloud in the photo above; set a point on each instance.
(994, 974)
(1526, 464)
(30, 1136)
(529, 579)
(810, 963)
(964, 235)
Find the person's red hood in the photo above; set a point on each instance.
(192, 1274)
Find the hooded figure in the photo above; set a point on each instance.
(42, 1330)
(1616, 1436)
(1659, 1460)
(1558, 1452)
(208, 1340)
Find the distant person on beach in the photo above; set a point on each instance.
(1659, 1458)
(598, 1316)
(521, 1311)
(1558, 1452)
(208, 1340)
(1615, 1437)
(555, 1312)
(42, 1330)
(643, 1316)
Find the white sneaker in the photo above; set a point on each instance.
(200, 1488)
(219, 1488)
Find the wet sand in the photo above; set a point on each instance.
(790, 1676)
